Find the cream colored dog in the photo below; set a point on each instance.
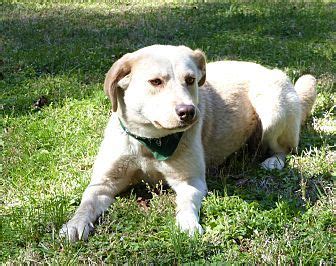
(174, 114)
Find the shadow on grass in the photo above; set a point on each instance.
(78, 45)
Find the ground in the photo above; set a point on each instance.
(62, 51)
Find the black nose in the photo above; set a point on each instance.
(185, 112)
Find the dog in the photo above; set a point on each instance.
(174, 115)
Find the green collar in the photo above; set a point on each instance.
(161, 148)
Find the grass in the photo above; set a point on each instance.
(62, 51)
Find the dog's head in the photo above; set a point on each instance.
(155, 89)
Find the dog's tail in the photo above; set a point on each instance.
(305, 87)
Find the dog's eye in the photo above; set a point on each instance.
(190, 80)
(156, 82)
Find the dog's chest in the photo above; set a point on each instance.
(145, 160)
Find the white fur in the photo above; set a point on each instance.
(277, 161)
(228, 108)
(189, 195)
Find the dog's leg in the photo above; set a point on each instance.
(189, 195)
(277, 160)
(282, 142)
(112, 173)
(96, 199)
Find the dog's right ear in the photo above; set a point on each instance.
(119, 70)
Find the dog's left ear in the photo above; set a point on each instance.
(200, 60)
(118, 71)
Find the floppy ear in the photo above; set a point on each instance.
(119, 69)
(199, 57)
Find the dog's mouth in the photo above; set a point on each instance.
(179, 127)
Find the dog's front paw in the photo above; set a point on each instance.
(188, 223)
(76, 229)
(273, 162)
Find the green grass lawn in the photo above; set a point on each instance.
(62, 51)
